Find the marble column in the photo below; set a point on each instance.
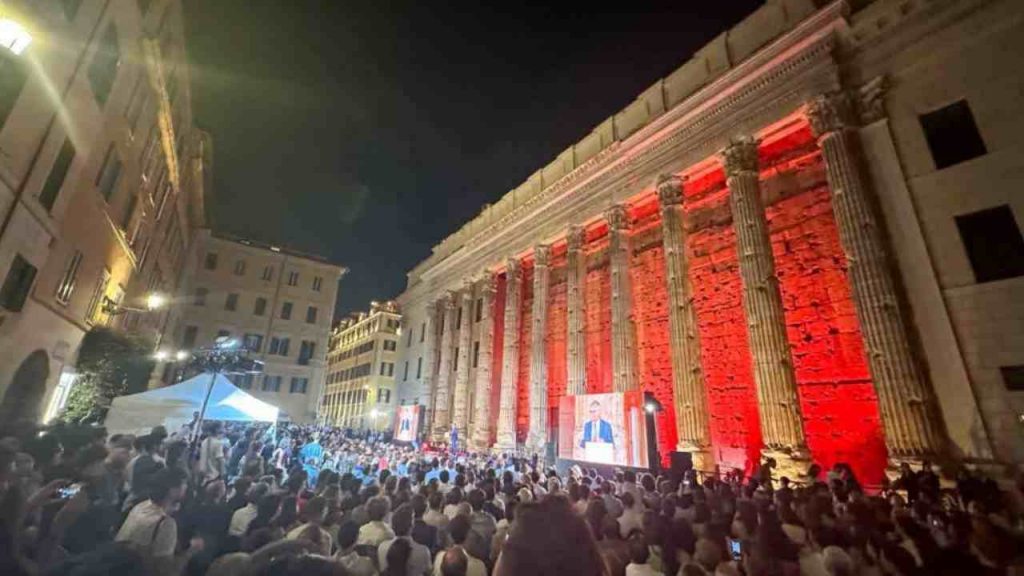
(442, 399)
(623, 328)
(576, 273)
(506, 440)
(687, 376)
(460, 404)
(429, 355)
(482, 385)
(778, 400)
(913, 429)
(538, 435)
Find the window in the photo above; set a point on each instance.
(268, 273)
(458, 319)
(408, 339)
(405, 372)
(311, 315)
(476, 353)
(306, 351)
(383, 396)
(67, 282)
(240, 268)
(993, 243)
(70, 8)
(383, 368)
(200, 297)
(275, 346)
(423, 331)
(419, 367)
(110, 173)
(211, 261)
(293, 278)
(479, 309)
(271, 383)
(391, 369)
(282, 347)
(260, 307)
(244, 381)
(317, 283)
(1013, 377)
(103, 69)
(189, 340)
(99, 292)
(952, 135)
(391, 345)
(13, 75)
(55, 181)
(455, 361)
(286, 311)
(298, 385)
(17, 284)
(252, 342)
(231, 303)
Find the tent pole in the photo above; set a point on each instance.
(202, 411)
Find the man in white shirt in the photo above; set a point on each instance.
(242, 517)
(632, 515)
(213, 453)
(376, 531)
(347, 556)
(459, 530)
(151, 527)
(434, 516)
(419, 558)
(640, 553)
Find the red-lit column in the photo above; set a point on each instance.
(429, 356)
(687, 377)
(442, 400)
(778, 402)
(537, 437)
(623, 328)
(506, 439)
(913, 430)
(460, 404)
(576, 362)
(482, 386)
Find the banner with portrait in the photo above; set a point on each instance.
(407, 422)
(603, 429)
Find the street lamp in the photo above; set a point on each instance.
(153, 302)
(14, 36)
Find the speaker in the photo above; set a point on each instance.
(680, 463)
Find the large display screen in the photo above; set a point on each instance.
(603, 429)
(407, 423)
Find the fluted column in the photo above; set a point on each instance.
(442, 400)
(506, 440)
(429, 356)
(538, 435)
(482, 385)
(576, 271)
(687, 375)
(623, 328)
(913, 429)
(778, 400)
(460, 405)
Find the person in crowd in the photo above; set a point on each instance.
(418, 562)
(538, 544)
(459, 530)
(422, 532)
(435, 516)
(639, 554)
(213, 453)
(376, 531)
(242, 517)
(151, 525)
(483, 525)
(313, 515)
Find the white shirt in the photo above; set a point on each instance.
(373, 533)
(631, 519)
(241, 519)
(474, 568)
(419, 559)
(355, 564)
(435, 518)
(641, 570)
(211, 457)
(451, 510)
(149, 526)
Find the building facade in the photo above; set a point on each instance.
(361, 369)
(805, 241)
(277, 303)
(102, 180)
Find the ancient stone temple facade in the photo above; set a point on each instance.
(779, 242)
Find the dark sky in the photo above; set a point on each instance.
(368, 131)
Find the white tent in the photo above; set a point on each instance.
(174, 405)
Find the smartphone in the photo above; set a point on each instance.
(735, 548)
(69, 491)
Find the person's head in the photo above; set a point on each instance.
(639, 552)
(477, 499)
(436, 500)
(401, 520)
(455, 496)
(455, 562)
(377, 508)
(628, 501)
(537, 542)
(838, 562)
(419, 505)
(214, 491)
(315, 510)
(595, 411)
(120, 451)
(398, 558)
(257, 491)
(459, 528)
(267, 506)
(167, 487)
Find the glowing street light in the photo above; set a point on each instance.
(181, 355)
(161, 355)
(374, 413)
(155, 301)
(14, 36)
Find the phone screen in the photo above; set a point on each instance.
(69, 491)
(735, 549)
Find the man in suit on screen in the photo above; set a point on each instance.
(597, 429)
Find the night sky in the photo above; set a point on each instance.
(368, 131)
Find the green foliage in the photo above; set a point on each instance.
(110, 364)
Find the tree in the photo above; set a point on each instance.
(110, 364)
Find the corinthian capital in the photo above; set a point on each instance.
(577, 235)
(488, 283)
(740, 156)
(670, 190)
(467, 289)
(513, 267)
(617, 217)
(451, 300)
(541, 255)
(829, 113)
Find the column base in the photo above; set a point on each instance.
(702, 459)
(892, 470)
(792, 463)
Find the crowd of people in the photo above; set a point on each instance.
(245, 500)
